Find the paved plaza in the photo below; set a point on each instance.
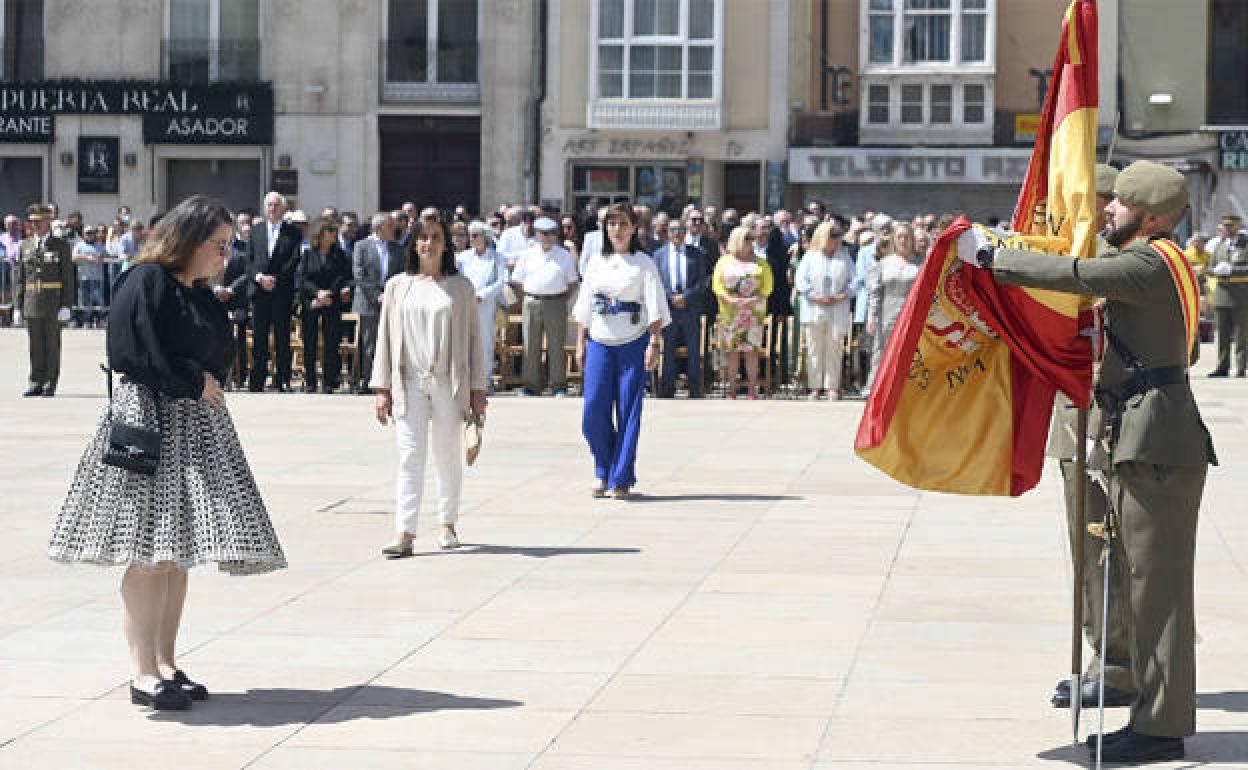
(770, 602)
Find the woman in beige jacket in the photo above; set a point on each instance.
(429, 377)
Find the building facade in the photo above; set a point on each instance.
(1184, 98)
(914, 106)
(355, 103)
(665, 102)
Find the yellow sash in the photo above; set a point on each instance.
(1184, 283)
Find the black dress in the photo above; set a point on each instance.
(202, 505)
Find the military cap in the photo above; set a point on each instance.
(1152, 187)
(38, 211)
(1105, 177)
(1232, 220)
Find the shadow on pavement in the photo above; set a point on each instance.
(279, 706)
(1219, 748)
(725, 498)
(533, 551)
(1223, 701)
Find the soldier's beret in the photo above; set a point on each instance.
(1152, 187)
(38, 211)
(1105, 177)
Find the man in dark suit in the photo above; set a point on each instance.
(376, 258)
(273, 258)
(685, 277)
(232, 292)
(700, 236)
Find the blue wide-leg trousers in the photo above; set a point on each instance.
(615, 378)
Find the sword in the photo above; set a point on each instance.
(1107, 552)
(1076, 622)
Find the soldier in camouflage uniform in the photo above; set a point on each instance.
(43, 295)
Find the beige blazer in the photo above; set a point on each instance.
(467, 361)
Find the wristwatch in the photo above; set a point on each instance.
(985, 255)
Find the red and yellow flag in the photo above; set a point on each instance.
(964, 393)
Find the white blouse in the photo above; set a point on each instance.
(426, 316)
(621, 278)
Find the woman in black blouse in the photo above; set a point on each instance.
(170, 340)
(324, 271)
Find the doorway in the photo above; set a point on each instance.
(742, 187)
(234, 182)
(430, 161)
(23, 184)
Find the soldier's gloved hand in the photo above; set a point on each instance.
(62, 314)
(1222, 269)
(969, 243)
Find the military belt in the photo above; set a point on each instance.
(1140, 382)
(41, 285)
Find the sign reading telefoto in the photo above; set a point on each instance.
(918, 165)
(216, 113)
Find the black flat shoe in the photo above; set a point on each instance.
(168, 697)
(193, 690)
(33, 390)
(1138, 748)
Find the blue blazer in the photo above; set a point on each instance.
(697, 276)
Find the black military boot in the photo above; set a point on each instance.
(34, 390)
(1137, 748)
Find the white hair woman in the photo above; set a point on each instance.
(487, 269)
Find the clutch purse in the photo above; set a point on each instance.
(135, 448)
(474, 430)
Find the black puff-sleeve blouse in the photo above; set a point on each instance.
(166, 335)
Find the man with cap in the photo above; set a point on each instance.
(1119, 686)
(1158, 447)
(44, 290)
(547, 274)
(1228, 267)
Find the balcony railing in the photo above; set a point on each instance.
(21, 60)
(655, 114)
(410, 74)
(192, 60)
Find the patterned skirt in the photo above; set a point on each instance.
(201, 506)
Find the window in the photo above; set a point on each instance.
(912, 103)
(660, 186)
(973, 103)
(21, 40)
(432, 41)
(213, 40)
(1228, 61)
(656, 49)
(877, 104)
(941, 104)
(920, 33)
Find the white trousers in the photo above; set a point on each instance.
(487, 315)
(432, 419)
(825, 348)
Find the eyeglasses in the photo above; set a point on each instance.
(222, 246)
(696, 220)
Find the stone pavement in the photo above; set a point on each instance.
(770, 603)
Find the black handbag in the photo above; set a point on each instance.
(135, 448)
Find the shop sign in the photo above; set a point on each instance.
(1026, 126)
(1233, 151)
(285, 181)
(693, 180)
(27, 128)
(98, 158)
(216, 113)
(923, 165)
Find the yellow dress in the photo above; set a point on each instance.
(740, 329)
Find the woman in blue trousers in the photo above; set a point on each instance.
(621, 310)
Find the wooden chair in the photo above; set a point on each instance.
(509, 348)
(349, 346)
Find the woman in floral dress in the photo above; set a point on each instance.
(742, 282)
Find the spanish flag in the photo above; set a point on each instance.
(965, 389)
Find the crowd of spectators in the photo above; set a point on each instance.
(805, 300)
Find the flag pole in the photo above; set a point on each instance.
(1077, 538)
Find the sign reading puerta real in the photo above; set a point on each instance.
(215, 113)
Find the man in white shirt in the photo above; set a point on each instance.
(547, 274)
(593, 241)
(514, 241)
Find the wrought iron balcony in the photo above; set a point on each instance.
(411, 73)
(198, 60)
